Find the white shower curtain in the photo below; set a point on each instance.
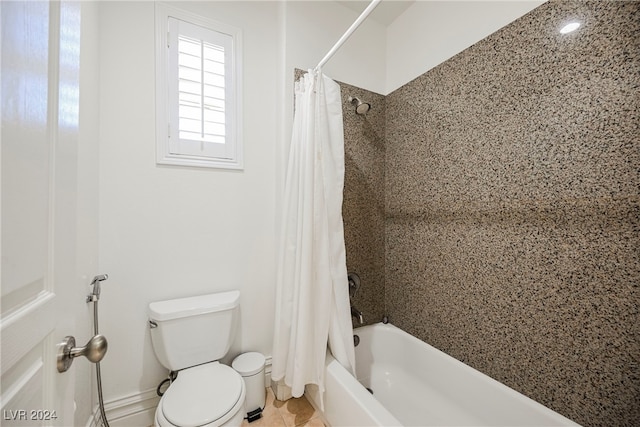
(312, 303)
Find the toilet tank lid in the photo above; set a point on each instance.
(191, 306)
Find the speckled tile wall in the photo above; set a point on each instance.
(512, 198)
(363, 205)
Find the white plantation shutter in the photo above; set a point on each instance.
(201, 92)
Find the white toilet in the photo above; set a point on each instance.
(189, 335)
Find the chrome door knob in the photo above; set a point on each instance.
(94, 350)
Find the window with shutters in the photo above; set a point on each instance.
(198, 88)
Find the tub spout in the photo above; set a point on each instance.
(357, 314)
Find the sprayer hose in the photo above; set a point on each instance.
(98, 376)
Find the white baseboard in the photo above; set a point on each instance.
(267, 372)
(138, 409)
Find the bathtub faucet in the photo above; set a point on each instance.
(357, 314)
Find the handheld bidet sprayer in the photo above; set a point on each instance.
(95, 292)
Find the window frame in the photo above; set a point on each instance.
(170, 150)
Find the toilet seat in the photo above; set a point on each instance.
(205, 395)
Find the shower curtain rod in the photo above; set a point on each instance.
(348, 33)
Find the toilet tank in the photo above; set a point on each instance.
(190, 331)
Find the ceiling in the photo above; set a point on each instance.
(385, 13)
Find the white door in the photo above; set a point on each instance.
(39, 73)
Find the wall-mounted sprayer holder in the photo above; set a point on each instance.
(95, 291)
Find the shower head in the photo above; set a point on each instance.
(361, 107)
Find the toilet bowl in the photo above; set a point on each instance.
(210, 395)
(189, 336)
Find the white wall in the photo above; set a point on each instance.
(313, 27)
(309, 29)
(168, 232)
(88, 202)
(430, 32)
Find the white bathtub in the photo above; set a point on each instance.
(415, 384)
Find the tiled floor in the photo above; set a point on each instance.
(292, 413)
